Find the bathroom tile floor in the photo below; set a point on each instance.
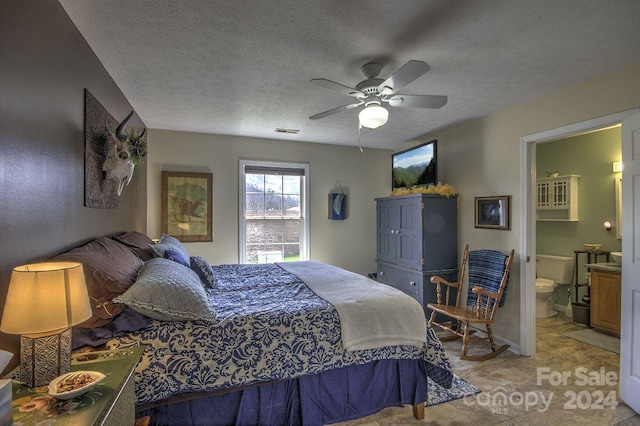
(529, 387)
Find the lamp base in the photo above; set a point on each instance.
(44, 357)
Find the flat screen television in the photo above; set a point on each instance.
(416, 166)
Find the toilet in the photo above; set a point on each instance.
(550, 272)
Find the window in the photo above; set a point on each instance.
(274, 212)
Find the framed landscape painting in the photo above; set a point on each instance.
(187, 210)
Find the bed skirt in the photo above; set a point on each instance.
(328, 397)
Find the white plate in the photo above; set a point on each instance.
(96, 377)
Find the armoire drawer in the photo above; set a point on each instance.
(409, 282)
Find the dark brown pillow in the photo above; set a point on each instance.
(110, 268)
(137, 242)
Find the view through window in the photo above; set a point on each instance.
(273, 222)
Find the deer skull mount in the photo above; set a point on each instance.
(119, 165)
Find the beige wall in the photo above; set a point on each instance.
(350, 244)
(483, 158)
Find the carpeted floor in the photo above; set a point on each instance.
(595, 338)
(459, 389)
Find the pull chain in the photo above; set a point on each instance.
(359, 143)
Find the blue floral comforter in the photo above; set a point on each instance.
(271, 327)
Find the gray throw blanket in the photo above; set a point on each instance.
(372, 315)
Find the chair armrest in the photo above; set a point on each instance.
(482, 291)
(439, 280)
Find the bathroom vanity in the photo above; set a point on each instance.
(606, 297)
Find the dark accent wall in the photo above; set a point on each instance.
(45, 65)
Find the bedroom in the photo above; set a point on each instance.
(44, 74)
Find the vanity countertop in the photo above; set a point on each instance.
(605, 266)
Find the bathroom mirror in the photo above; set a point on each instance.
(618, 189)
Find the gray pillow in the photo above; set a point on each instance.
(166, 290)
(168, 242)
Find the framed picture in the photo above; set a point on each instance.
(337, 206)
(492, 212)
(187, 209)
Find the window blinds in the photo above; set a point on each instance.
(276, 171)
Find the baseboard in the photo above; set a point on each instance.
(512, 346)
(562, 309)
(515, 348)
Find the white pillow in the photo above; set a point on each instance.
(166, 290)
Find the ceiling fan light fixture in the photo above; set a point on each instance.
(373, 116)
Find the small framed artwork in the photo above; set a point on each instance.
(493, 212)
(187, 209)
(337, 206)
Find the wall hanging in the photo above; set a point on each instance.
(187, 210)
(492, 212)
(337, 203)
(110, 156)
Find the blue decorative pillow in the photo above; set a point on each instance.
(204, 271)
(128, 320)
(168, 291)
(176, 257)
(168, 242)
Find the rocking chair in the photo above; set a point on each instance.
(488, 277)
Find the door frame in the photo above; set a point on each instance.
(528, 216)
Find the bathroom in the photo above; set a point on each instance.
(590, 156)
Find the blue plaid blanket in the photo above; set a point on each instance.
(486, 268)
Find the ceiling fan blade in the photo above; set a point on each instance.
(403, 76)
(418, 101)
(335, 110)
(341, 88)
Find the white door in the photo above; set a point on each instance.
(630, 323)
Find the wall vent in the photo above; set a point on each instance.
(288, 131)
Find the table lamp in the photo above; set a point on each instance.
(43, 302)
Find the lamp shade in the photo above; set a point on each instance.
(373, 116)
(44, 297)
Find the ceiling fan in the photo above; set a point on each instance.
(373, 91)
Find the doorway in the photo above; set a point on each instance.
(575, 197)
(528, 217)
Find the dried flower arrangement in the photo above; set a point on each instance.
(442, 189)
(137, 146)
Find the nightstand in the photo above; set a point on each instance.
(111, 402)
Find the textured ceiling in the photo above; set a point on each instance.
(243, 67)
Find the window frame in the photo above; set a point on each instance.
(242, 201)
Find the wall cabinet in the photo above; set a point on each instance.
(557, 198)
(417, 237)
(606, 294)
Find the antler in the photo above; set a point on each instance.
(120, 134)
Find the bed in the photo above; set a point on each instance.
(255, 344)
